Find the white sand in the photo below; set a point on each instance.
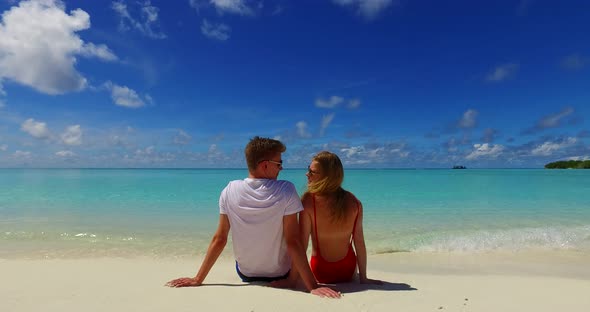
(522, 281)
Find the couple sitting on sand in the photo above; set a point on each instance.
(270, 243)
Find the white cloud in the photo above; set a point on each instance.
(302, 129)
(22, 154)
(182, 138)
(149, 156)
(469, 119)
(3, 147)
(39, 44)
(352, 151)
(149, 99)
(551, 121)
(145, 152)
(233, 6)
(326, 120)
(376, 152)
(587, 157)
(214, 154)
(123, 96)
(547, 148)
(213, 148)
(215, 31)
(65, 154)
(380, 153)
(354, 103)
(554, 120)
(451, 145)
(101, 51)
(503, 72)
(369, 9)
(238, 7)
(72, 135)
(489, 135)
(332, 102)
(117, 140)
(145, 24)
(36, 129)
(485, 150)
(400, 152)
(335, 101)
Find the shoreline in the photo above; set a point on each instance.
(490, 281)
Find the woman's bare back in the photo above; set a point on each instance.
(334, 236)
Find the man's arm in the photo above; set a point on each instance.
(299, 258)
(215, 248)
(305, 231)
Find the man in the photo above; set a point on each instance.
(261, 213)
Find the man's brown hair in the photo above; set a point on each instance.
(259, 149)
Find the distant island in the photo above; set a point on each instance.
(459, 167)
(569, 164)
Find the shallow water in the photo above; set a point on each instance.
(62, 213)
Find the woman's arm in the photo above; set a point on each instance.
(305, 227)
(360, 248)
(299, 259)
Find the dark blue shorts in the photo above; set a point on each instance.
(248, 279)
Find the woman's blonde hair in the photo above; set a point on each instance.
(331, 183)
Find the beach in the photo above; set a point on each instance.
(491, 281)
(441, 240)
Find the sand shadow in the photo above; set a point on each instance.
(353, 287)
(345, 288)
(230, 285)
(386, 286)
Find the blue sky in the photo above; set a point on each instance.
(382, 83)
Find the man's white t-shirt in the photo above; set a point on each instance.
(255, 208)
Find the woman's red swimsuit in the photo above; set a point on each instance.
(332, 272)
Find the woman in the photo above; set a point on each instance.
(334, 218)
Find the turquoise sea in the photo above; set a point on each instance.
(71, 213)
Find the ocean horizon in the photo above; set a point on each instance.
(173, 212)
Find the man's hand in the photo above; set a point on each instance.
(326, 292)
(184, 282)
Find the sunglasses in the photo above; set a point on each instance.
(311, 172)
(278, 163)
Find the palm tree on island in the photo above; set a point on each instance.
(569, 164)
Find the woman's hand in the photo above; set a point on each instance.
(184, 282)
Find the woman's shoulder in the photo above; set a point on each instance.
(307, 200)
(350, 197)
(352, 201)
